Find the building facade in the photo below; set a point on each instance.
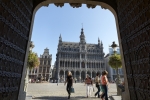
(112, 73)
(33, 74)
(80, 58)
(45, 71)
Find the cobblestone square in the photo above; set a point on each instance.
(50, 91)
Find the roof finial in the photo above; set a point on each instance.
(60, 38)
(82, 29)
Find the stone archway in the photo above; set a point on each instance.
(83, 76)
(99, 73)
(78, 76)
(89, 73)
(93, 74)
(66, 72)
(16, 27)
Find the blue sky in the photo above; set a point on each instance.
(52, 21)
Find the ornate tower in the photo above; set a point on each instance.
(60, 39)
(82, 37)
(98, 42)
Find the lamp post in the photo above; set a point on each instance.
(114, 46)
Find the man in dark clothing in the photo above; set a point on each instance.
(69, 82)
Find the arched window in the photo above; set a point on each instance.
(83, 65)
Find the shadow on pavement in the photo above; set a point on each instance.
(65, 98)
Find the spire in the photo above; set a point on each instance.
(82, 29)
(98, 41)
(82, 37)
(101, 43)
(60, 38)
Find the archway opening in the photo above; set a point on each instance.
(83, 76)
(70, 65)
(89, 73)
(93, 74)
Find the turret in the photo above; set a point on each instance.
(98, 41)
(82, 37)
(101, 44)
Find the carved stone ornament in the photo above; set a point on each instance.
(75, 5)
(59, 4)
(103, 7)
(91, 6)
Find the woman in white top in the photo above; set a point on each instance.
(88, 82)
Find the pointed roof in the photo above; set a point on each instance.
(98, 40)
(60, 38)
(82, 33)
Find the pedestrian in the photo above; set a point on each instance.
(97, 83)
(89, 85)
(30, 80)
(105, 82)
(69, 82)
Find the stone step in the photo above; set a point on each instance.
(28, 97)
(116, 97)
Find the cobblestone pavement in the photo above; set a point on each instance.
(50, 91)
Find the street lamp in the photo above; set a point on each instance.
(31, 46)
(114, 46)
(27, 70)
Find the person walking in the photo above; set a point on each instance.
(104, 81)
(97, 82)
(69, 82)
(89, 83)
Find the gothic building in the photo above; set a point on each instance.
(44, 72)
(80, 58)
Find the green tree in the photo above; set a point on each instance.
(115, 61)
(33, 60)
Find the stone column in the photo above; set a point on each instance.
(74, 74)
(64, 64)
(85, 68)
(80, 64)
(94, 65)
(58, 69)
(80, 76)
(71, 63)
(75, 64)
(67, 63)
(100, 65)
(64, 76)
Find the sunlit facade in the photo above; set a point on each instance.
(80, 58)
